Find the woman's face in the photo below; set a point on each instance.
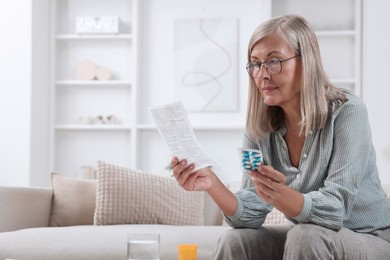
(283, 88)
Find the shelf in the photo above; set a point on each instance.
(93, 127)
(77, 37)
(343, 81)
(118, 83)
(201, 127)
(332, 33)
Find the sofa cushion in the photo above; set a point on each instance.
(73, 201)
(128, 196)
(24, 207)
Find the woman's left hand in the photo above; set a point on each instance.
(269, 183)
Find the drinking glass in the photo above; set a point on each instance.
(143, 246)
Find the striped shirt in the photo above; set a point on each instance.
(337, 175)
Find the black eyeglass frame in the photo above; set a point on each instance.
(249, 64)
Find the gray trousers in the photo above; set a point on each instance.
(303, 241)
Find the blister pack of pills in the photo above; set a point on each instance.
(251, 159)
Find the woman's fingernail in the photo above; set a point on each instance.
(184, 162)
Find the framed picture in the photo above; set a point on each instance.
(206, 64)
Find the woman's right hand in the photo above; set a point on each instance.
(189, 180)
(204, 180)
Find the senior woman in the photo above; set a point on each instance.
(319, 165)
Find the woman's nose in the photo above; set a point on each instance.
(263, 73)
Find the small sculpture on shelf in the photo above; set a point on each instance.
(98, 120)
(97, 25)
(106, 120)
(88, 70)
(103, 73)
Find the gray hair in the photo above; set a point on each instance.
(318, 95)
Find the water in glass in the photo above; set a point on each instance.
(143, 250)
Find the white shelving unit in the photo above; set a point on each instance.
(141, 58)
(76, 140)
(338, 28)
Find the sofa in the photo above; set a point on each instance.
(25, 232)
(90, 219)
(32, 228)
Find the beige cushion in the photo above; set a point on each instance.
(24, 207)
(273, 218)
(73, 201)
(128, 196)
(386, 188)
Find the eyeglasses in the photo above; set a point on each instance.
(272, 65)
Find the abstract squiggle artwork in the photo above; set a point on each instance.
(206, 64)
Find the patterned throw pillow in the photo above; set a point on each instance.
(128, 196)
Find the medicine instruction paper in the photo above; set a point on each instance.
(175, 128)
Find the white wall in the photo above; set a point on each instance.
(15, 91)
(24, 28)
(40, 71)
(376, 85)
